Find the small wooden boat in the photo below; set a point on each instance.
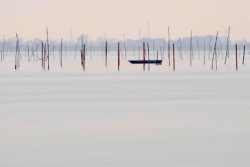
(157, 62)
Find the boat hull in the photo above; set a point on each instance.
(146, 62)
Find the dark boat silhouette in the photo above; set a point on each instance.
(157, 62)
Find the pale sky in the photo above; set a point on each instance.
(29, 18)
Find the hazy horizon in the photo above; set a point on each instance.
(30, 18)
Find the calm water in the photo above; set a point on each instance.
(67, 117)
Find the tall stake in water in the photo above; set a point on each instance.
(243, 59)
(42, 56)
(118, 56)
(148, 57)
(17, 52)
(236, 57)
(84, 56)
(173, 58)
(106, 54)
(28, 50)
(214, 52)
(143, 56)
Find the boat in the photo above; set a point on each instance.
(157, 62)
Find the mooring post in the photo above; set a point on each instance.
(106, 54)
(81, 58)
(244, 51)
(42, 56)
(173, 58)
(148, 57)
(84, 54)
(236, 57)
(118, 56)
(144, 56)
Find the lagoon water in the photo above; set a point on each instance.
(193, 116)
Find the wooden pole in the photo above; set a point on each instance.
(236, 57)
(244, 51)
(148, 58)
(106, 54)
(143, 56)
(214, 52)
(42, 56)
(16, 56)
(118, 56)
(84, 54)
(173, 58)
(81, 58)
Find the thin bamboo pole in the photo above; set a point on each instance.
(173, 58)
(118, 56)
(143, 56)
(236, 57)
(106, 54)
(148, 57)
(84, 55)
(244, 51)
(42, 56)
